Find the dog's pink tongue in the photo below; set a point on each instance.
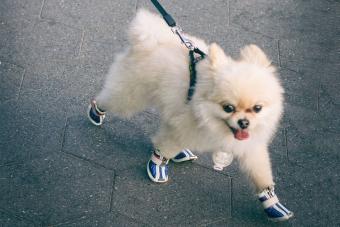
(241, 134)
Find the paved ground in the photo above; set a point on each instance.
(57, 169)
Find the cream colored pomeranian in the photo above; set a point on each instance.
(235, 109)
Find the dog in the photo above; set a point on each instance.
(235, 109)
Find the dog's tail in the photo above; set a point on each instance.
(148, 30)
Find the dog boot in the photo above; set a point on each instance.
(273, 208)
(221, 160)
(184, 155)
(95, 115)
(157, 168)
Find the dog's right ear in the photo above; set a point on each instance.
(217, 55)
(253, 54)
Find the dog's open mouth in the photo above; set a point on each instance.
(240, 134)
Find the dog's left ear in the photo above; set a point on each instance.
(253, 54)
(217, 56)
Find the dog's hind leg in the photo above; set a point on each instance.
(124, 92)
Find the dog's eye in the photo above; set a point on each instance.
(257, 108)
(229, 108)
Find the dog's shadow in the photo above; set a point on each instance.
(117, 144)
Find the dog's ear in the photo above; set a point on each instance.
(217, 55)
(253, 54)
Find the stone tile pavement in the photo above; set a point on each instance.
(58, 170)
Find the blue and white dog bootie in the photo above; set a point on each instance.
(157, 168)
(273, 208)
(184, 155)
(95, 115)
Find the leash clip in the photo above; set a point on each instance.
(187, 42)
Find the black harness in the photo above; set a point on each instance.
(188, 43)
(192, 69)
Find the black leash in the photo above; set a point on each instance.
(167, 17)
(188, 43)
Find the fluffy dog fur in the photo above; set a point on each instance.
(153, 72)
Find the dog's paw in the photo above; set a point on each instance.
(272, 207)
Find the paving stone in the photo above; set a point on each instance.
(304, 56)
(66, 52)
(312, 190)
(10, 81)
(54, 188)
(105, 20)
(216, 29)
(330, 85)
(287, 18)
(300, 89)
(52, 43)
(310, 145)
(246, 209)
(328, 109)
(7, 220)
(13, 36)
(195, 18)
(20, 9)
(101, 53)
(106, 220)
(118, 144)
(28, 131)
(172, 203)
(304, 40)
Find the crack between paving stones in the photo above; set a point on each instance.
(81, 43)
(75, 219)
(41, 9)
(236, 25)
(289, 69)
(112, 190)
(11, 163)
(318, 98)
(91, 162)
(228, 11)
(286, 142)
(20, 86)
(76, 156)
(231, 197)
(128, 168)
(215, 221)
(218, 172)
(279, 53)
(136, 5)
(63, 135)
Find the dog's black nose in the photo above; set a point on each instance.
(243, 123)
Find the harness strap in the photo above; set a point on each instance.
(192, 69)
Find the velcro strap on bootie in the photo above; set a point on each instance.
(158, 159)
(270, 202)
(95, 106)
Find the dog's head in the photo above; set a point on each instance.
(241, 97)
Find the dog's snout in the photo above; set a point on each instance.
(243, 123)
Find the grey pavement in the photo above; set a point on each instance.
(56, 169)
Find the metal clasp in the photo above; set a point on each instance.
(187, 42)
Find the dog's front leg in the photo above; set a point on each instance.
(256, 163)
(166, 147)
(166, 141)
